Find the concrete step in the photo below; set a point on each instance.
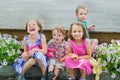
(34, 73)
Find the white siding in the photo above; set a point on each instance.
(105, 14)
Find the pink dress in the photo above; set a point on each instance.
(83, 64)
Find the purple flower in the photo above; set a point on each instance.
(113, 75)
(108, 58)
(4, 62)
(104, 63)
(118, 70)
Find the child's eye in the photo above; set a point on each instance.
(54, 34)
(74, 31)
(81, 13)
(85, 13)
(59, 35)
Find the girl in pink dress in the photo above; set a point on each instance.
(79, 52)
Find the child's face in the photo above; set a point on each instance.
(77, 32)
(32, 27)
(82, 14)
(57, 36)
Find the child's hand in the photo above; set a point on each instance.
(74, 57)
(25, 56)
(31, 52)
(92, 27)
(61, 60)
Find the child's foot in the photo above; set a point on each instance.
(20, 77)
(50, 75)
(71, 78)
(43, 78)
(82, 79)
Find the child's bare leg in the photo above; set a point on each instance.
(71, 71)
(42, 67)
(57, 71)
(83, 74)
(94, 44)
(28, 65)
(50, 74)
(50, 68)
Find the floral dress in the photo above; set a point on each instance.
(37, 55)
(80, 50)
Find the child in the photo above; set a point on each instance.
(60, 46)
(35, 48)
(79, 52)
(81, 14)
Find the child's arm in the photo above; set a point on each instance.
(91, 27)
(25, 46)
(68, 52)
(44, 44)
(88, 50)
(24, 54)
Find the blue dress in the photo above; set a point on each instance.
(37, 55)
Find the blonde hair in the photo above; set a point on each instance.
(38, 23)
(60, 29)
(81, 7)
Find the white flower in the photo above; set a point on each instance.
(104, 63)
(113, 75)
(9, 54)
(4, 62)
(9, 48)
(108, 58)
(109, 53)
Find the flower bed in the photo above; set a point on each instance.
(109, 54)
(9, 49)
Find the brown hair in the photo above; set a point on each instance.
(81, 7)
(60, 29)
(80, 25)
(38, 23)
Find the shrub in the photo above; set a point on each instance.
(109, 53)
(10, 48)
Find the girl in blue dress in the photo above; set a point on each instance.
(35, 48)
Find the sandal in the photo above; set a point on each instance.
(50, 75)
(71, 79)
(43, 78)
(82, 79)
(20, 77)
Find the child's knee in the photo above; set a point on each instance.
(31, 61)
(96, 41)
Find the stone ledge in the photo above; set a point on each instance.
(8, 73)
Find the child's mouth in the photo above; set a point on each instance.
(32, 29)
(57, 39)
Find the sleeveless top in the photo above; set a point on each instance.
(31, 45)
(78, 49)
